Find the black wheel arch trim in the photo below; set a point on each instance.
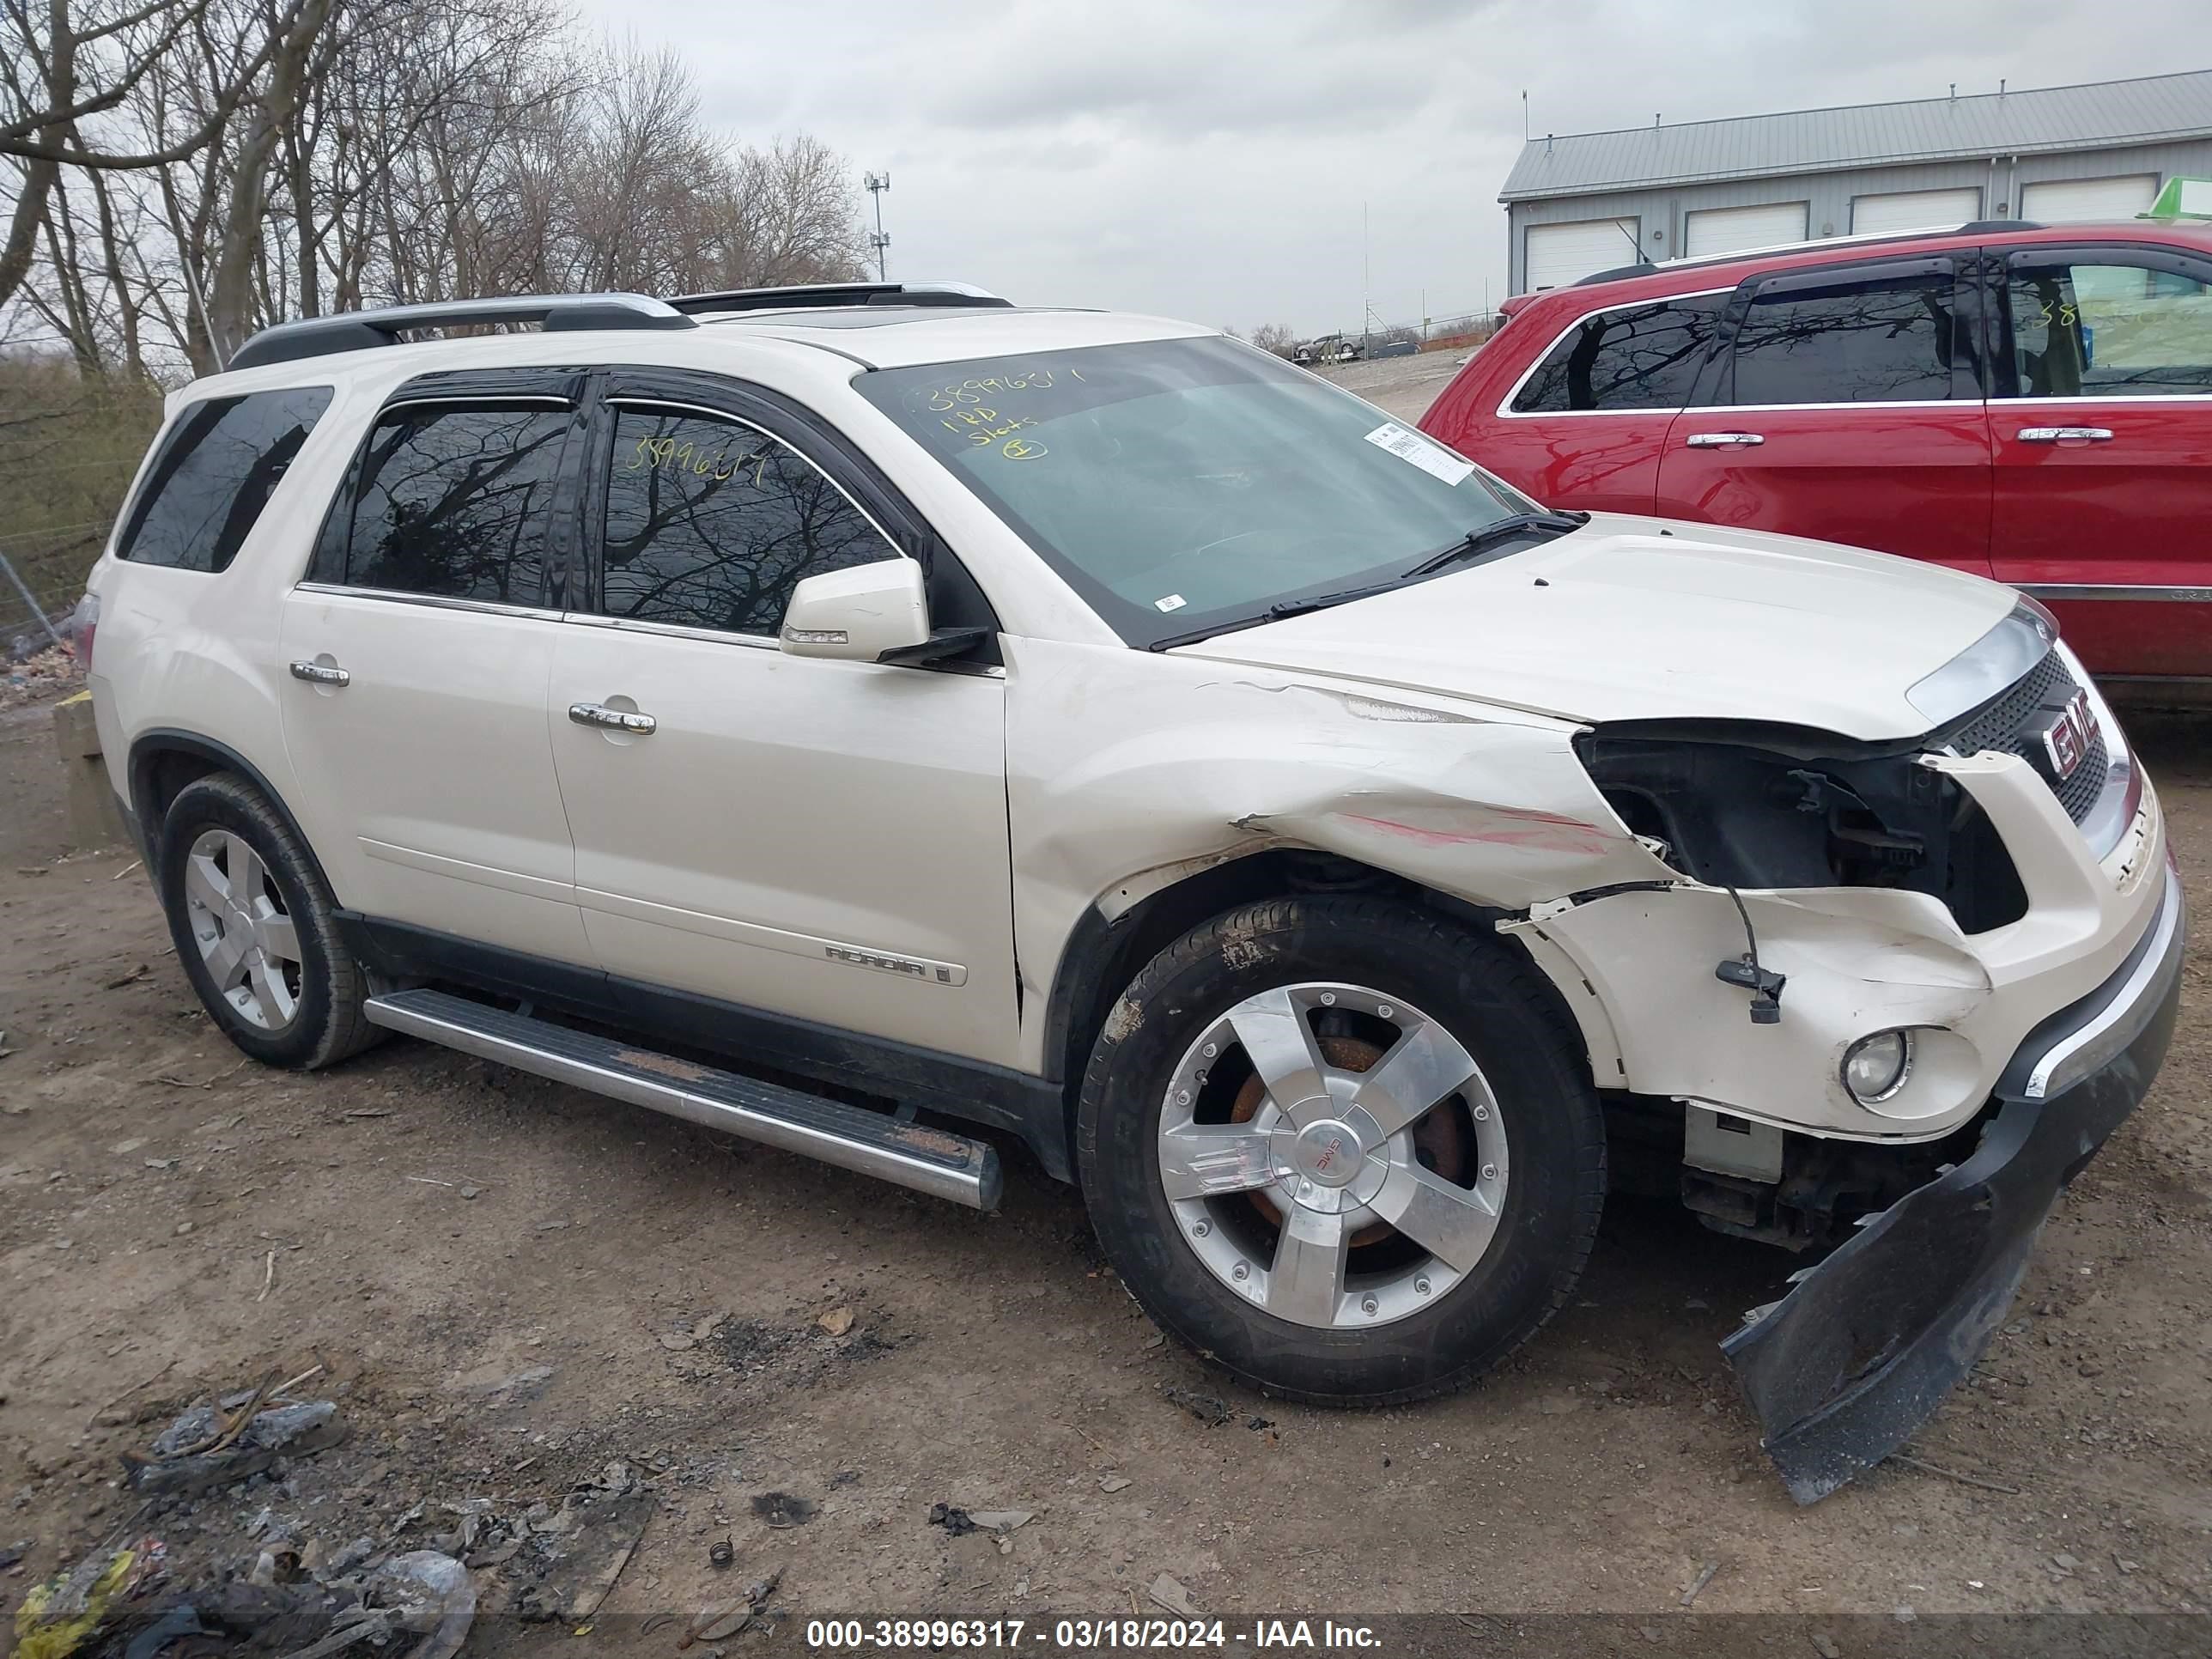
(148, 747)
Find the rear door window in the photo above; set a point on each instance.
(2108, 327)
(1635, 357)
(450, 503)
(711, 523)
(216, 469)
(1892, 337)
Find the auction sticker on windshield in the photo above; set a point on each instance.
(1408, 445)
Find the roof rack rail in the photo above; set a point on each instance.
(809, 295)
(356, 330)
(1866, 239)
(1641, 268)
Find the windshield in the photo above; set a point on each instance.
(1184, 486)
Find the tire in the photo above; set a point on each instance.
(310, 1003)
(1550, 1161)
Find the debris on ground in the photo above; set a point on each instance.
(1169, 1593)
(1258, 1424)
(837, 1322)
(1001, 1520)
(720, 1621)
(782, 1508)
(722, 1555)
(574, 1555)
(1114, 1482)
(955, 1520)
(205, 1449)
(59, 1616)
(38, 675)
(11, 1554)
(1209, 1409)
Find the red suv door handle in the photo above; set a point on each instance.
(1724, 440)
(2065, 435)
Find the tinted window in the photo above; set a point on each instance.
(214, 475)
(1645, 357)
(452, 502)
(2108, 331)
(711, 524)
(1883, 341)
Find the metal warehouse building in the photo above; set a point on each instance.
(1589, 201)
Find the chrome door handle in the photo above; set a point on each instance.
(2059, 434)
(614, 719)
(1724, 440)
(317, 673)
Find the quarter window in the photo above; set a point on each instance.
(711, 524)
(215, 472)
(453, 503)
(1889, 339)
(2108, 331)
(1639, 357)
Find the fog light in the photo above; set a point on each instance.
(1875, 1067)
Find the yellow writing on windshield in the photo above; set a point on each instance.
(972, 392)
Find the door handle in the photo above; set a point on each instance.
(2059, 434)
(1724, 440)
(320, 673)
(613, 719)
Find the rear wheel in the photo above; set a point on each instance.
(1343, 1147)
(255, 929)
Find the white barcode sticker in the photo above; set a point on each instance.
(1410, 445)
(1173, 602)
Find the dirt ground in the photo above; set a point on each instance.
(507, 1281)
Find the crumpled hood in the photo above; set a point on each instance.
(1619, 621)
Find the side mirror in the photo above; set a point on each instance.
(859, 613)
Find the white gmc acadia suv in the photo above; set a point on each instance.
(1091, 727)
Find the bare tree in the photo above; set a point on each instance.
(1278, 337)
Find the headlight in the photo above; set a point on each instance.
(1875, 1067)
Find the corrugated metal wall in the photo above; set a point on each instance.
(1829, 194)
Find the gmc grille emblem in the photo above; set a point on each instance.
(2066, 739)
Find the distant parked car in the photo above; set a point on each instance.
(2029, 403)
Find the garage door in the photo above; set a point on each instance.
(2065, 201)
(1914, 210)
(1560, 254)
(1724, 230)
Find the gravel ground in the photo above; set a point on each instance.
(512, 1283)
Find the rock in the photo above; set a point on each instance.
(1208, 1409)
(1114, 1482)
(955, 1520)
(183, 1228)
(837, 1322)
(1169, 1593)
(1824, 1645)
(782, 1508)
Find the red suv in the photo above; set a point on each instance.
(2024, 402)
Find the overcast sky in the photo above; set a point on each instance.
(1210, 161)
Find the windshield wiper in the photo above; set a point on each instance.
(1475, 542)
(1480, 541)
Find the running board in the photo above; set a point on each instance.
(871, 1143)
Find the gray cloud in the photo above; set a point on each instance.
(1216, 161)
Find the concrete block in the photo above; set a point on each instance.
(94, 817)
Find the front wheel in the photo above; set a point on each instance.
(1342, 1146)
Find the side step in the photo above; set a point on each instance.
(908, 1154)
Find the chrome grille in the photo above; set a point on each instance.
(2011, 724)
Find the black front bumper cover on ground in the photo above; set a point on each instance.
(1847, 1366)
